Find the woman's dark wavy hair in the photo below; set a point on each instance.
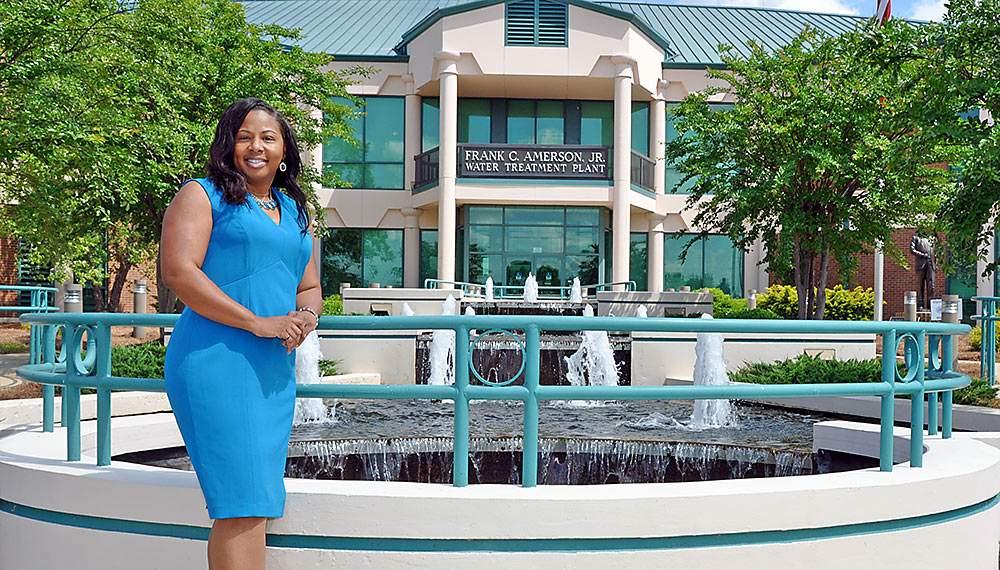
(230, 181)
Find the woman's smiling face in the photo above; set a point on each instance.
(259, 148)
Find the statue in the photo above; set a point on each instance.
(924, 252)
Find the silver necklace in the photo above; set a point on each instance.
(268, 203)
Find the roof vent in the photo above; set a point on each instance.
(537, 23)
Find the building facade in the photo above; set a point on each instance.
(499, 139)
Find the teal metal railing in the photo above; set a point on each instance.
(987, 351)
(38, 303)
(928, 350)
(517, 291)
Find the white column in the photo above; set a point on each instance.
(448, 80)
(878, 285)
(411, 248)
(654, 254)
(657, 140)
(411, 145)
(621, 195)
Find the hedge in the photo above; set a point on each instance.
(842, 304)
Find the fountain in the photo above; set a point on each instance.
(489, 289)
(307, 358)
(407, 310)
(641, 312)
(710, 370)
(530, 289)
(593, 363)
(442, 349)
(575, 294)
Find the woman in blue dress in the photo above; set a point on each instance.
(237, 250)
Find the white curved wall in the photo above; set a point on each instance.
(942, 515)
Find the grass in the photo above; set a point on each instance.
(13, 347)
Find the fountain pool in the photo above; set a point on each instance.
(618, 442)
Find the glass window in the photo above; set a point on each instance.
(534, 239)
(677, 273)
(723, 265)
(583, 217)
(484, 215)
(486, 238)
(534, 216)
(640, 127)
(377, 162)
(428, 255)
(556, 244)
(582, 239)
(430, 124)
(520, 122)
(474, 121)
(384, 129)
(597, 121)
(712, 262)
(638, 261)
(550, 125)
(362, 257)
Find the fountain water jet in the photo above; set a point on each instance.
(442, 349)
(710, 370)
(530, 289)
(575, 294)
(593, 363)
(307, 372)
(489, 289)
(407, 310)
(641, 312)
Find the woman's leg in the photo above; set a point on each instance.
(237, 544)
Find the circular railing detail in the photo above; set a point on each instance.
(912, 357)
(518, 343)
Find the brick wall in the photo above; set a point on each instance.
(8, 269)
(147, 272)
(896, 280)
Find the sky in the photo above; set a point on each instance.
(912, 9)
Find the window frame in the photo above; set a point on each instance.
(362, 138)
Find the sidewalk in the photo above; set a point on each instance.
(8, 362)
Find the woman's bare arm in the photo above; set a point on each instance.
(309, 295)
(187, 227)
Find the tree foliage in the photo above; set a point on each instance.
(967, 56)
(103, 131)
(826, 149)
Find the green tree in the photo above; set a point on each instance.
(969, 59)
(825, 151)
(144, 103)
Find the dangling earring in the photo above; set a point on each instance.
(282, 167)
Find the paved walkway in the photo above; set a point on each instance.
(8, 362)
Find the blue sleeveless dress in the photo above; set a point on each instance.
(233, 393)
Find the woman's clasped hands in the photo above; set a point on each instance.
(290, 329)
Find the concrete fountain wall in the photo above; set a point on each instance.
(55, 514)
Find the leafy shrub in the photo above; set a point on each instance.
(138, 360)
(805, 369)
(976, 338)
(783, 300)
(842, 304)
(978, 393)
(723, 303)
(856, 304)
(13, 347)
(329, 367)
(333, 305)
(757, 313)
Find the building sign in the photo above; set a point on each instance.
(534, 161)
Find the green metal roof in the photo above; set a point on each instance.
(375, 29)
